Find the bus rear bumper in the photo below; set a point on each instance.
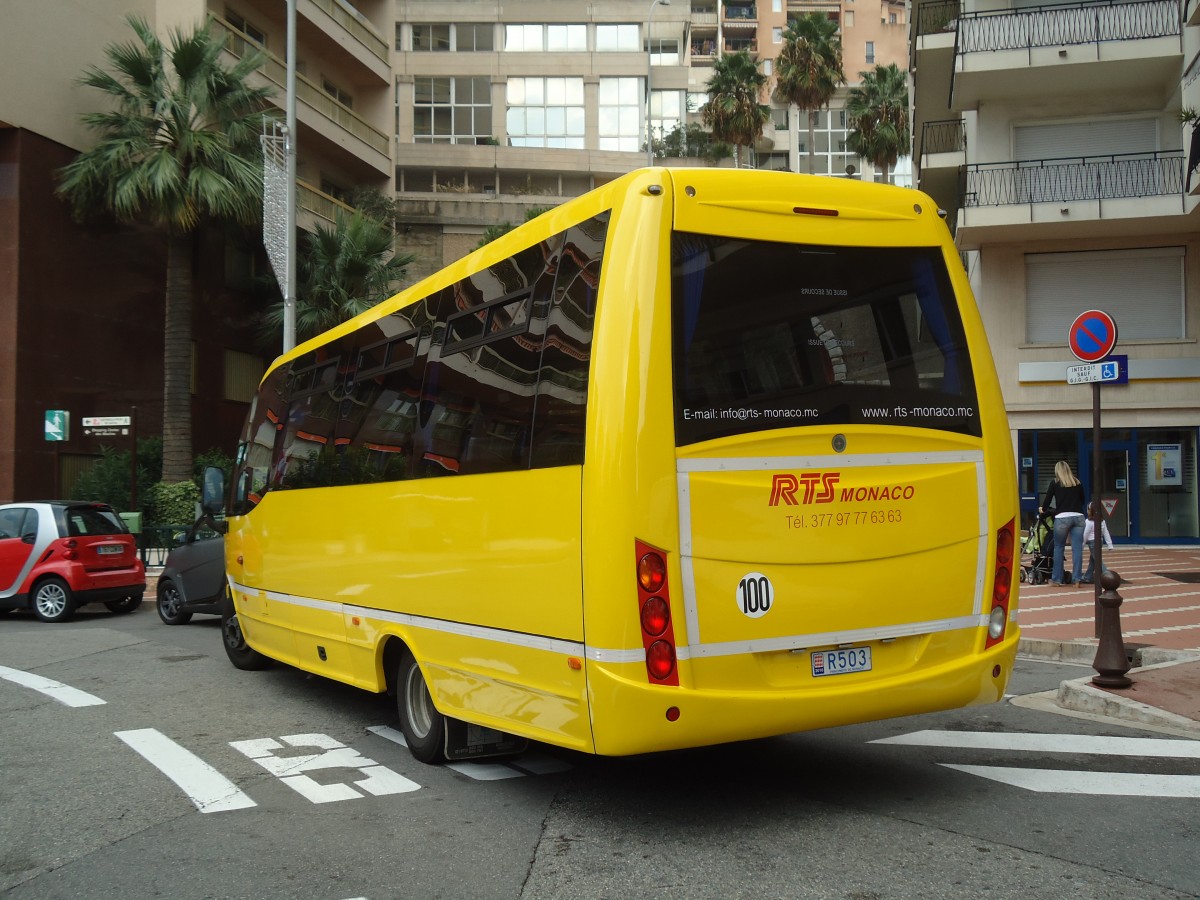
(631, 717)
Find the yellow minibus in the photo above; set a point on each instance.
(700, 456)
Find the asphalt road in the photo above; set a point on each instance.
(305, 800)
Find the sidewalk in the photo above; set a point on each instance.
(1160, 626)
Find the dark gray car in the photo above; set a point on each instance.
(193, 577)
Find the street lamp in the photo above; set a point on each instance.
(649, 77)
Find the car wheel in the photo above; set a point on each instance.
(125, 604)
(241, 654)
(170, 604)
(53, 600)
(423, 726)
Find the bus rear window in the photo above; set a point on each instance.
(771, 335)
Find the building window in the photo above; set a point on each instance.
(431, 38)
(768, 67)
(829, 136)
(617, 38)
(849, 18)
(664, 52)
(238, 46)
(539, 38)
(566, 38)
(337, 93)
(545, 112)
(452, 110)
(666, 112)
(620, 114)
(243, 372)
(870, 52)
(459, 36)
(1142, 289)
(777, 35)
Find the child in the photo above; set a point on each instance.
(1089, 538)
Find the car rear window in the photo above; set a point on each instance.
(91, 520)
(770, 335)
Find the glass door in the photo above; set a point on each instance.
(1116, 487)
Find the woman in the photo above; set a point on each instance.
(1065, 496)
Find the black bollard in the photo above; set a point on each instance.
(1111, 662)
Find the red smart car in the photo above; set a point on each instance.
(57, 555)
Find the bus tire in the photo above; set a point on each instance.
(423, 726)
(241, 654)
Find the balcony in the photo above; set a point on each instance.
(703, 16)
(351, 32)
(741, 16)
(314, 206)
(1092, 196)
(941, 153)
(736, 45)
(1097, 47)
(337, 126)
(704, 52)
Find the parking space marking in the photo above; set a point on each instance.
(55, 690)
(331, 754)
(207, 788)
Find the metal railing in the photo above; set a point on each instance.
(1071, 179)
(1056, 26)
(936, 18)
(944, 136)
(307, 92)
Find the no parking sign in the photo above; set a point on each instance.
(1092, 336)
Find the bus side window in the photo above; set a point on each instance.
(562, 388)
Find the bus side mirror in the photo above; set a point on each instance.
(212, 497)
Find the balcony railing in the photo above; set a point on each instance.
(307, 92)
(741, 12)
(750, 45)
(1056, 26)
(319, 203)
(1074, 179)
(356, 24)
(944, 136)
(935, 18)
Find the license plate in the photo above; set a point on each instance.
(841, 662)
(110, 549)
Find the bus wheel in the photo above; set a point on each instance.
(423, 726)
(241, 654)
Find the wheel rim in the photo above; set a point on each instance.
(418, 703)
(171, 601)
(233, 633)
(51, 600)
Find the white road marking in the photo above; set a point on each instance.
(1050, 743)
(525, 764)
(332, 754)
(205, 786)
(55, 690)
(1058, 781)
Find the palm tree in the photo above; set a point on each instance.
(178, 147)
(342, 271)
(809, 69)
(733, 110)
(877, 113)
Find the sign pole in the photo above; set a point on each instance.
(1097, 509)
(133, 501)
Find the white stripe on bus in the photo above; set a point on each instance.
(841, 461)
(636, 654)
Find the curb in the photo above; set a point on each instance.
(1084, 652)
(1081, 696)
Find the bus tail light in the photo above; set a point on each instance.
(1006, 543)
(654, 614)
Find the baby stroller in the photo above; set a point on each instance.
(1037, 553)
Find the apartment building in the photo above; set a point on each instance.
(1052, 136)
(81, 306)
(506, 107)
